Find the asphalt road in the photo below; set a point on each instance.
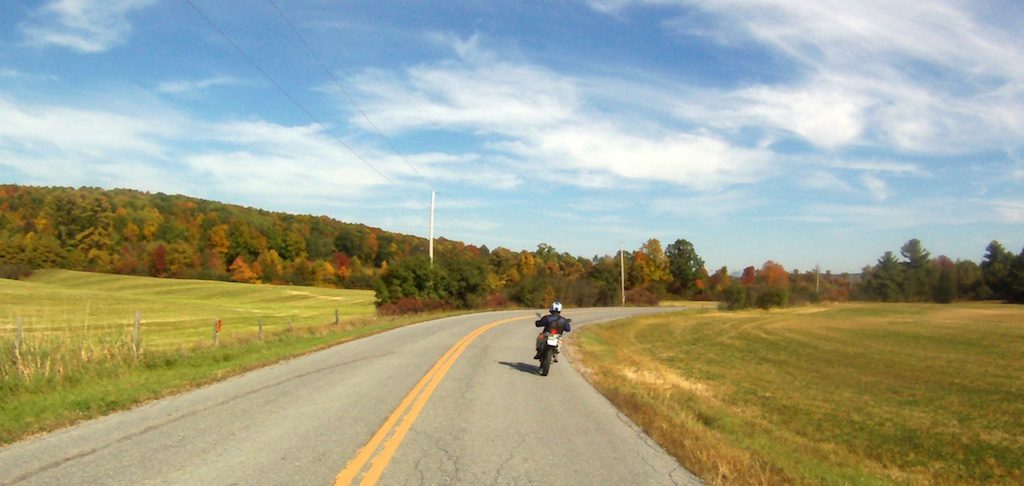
(475, 413)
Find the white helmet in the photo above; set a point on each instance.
(556, 306)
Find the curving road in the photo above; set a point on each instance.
(446, 406)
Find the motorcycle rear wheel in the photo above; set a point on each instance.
(545, 361)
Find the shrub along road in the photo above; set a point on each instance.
(429, 403)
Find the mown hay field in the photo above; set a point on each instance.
(838, 394)
(174, 313)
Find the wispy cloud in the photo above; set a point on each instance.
(24, 76)
(188, 86)
(85, 132)
(876, 186)
(86, 26)
(918, 76)
(1008, 211)
(710, 206)
(541, 118)
(60, 145)
(826, 181)
(882, 166)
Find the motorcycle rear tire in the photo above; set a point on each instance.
(545, 361)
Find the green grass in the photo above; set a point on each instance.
(846, 394)
(76, 358)
(173, 312)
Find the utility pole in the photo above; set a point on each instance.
(622, 272)
(817, 278)
(433, 194)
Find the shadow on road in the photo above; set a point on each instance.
(520, 366)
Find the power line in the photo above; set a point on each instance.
(337, 83)
(289, 96)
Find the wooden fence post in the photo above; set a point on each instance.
(137, 335)
(216, 331)
(261, 329)
(337, 318)
(18, 336)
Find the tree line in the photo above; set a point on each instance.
(915, 276)
(137, 233)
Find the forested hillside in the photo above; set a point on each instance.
(136, 233)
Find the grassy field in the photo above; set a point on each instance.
(173, 312)
(843, 394)
(76, 358)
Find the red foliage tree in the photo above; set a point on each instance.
(773, 275)
(749, 276)
(158, 261)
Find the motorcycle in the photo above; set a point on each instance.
(549, 352)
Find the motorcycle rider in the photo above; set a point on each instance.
(549, 322)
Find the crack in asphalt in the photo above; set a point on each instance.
(500, 473)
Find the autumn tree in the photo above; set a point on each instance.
(650, 268)
(749, 276)
(774, 275)
(240, 271)
(323, 274)
(158, 261)
(719, 281)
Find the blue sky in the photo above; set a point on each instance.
(807, 133)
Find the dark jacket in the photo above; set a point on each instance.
(554, 321)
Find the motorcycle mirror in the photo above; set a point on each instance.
(538, 315)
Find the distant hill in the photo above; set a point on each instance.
(138, 233)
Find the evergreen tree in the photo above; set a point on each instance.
(885, 282)
(919, 275)
(995, 270)
(685, 266)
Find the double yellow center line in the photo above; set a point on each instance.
(402, 418)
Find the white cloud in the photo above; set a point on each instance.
(917, 76)
(87, 26)
(470, 169)
(88, 133)
(710, 205)
(825, 180)
(1008, 212)
(913, 213)
(21, 75)
(693, 160)
(186, 86)
(160, 150)
(888, 167)
(497, 97)
(271, 159)
(876, 186)
(543, 120)
(824, 115)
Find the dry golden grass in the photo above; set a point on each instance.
(844, 394)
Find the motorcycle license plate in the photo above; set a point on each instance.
(552, 340)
